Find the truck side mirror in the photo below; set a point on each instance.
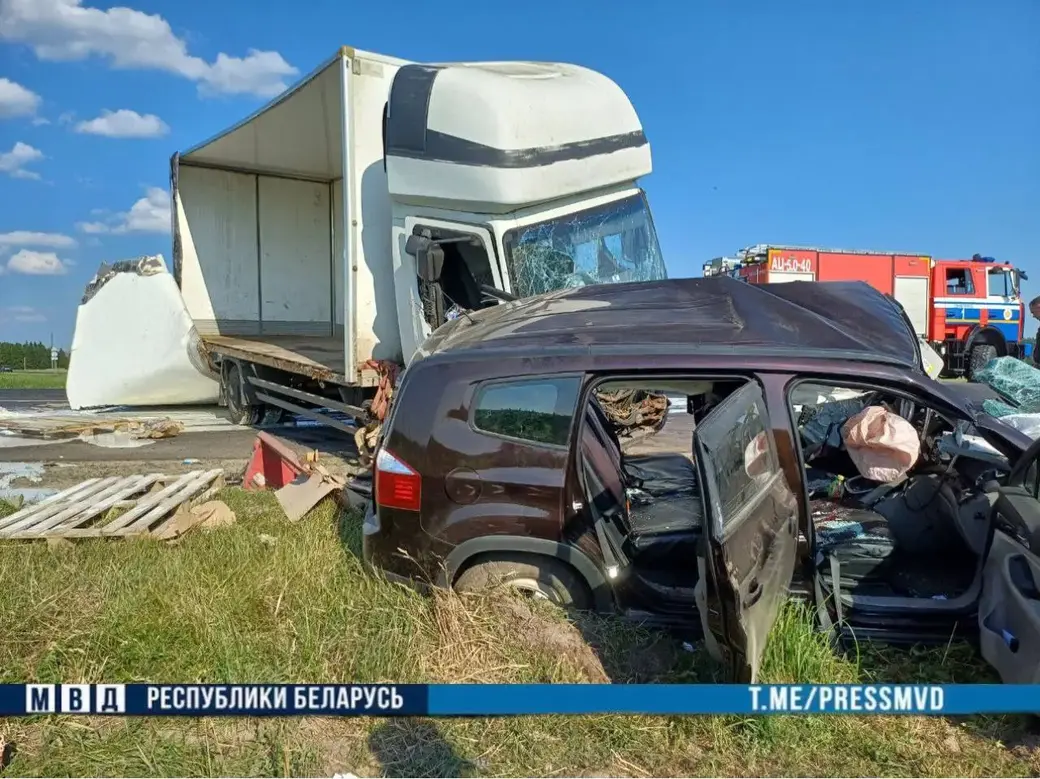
(429, 257)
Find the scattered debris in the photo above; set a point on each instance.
(300, 486)
(273, 464)
(148, 505)
(30, 472)
(214, 514)
(58, 427)
(633, 411)
(308, 490)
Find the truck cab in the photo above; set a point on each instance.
(977, 312)
(338, 226)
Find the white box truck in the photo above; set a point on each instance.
(296, 232)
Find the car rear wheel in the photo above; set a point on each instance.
(540, 577)
(980, 357)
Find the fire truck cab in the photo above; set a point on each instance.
(970, 311)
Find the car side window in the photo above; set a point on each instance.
(536, 410)
(742, 460)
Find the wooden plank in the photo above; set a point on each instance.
(131, 485)
(169, 502)
(78, 533)
(54, 508)
(49, 501)
(148, 502)
(96, 500)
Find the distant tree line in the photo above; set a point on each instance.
(30, 355)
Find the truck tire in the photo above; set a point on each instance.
(539, 576)
(979, 358)
(239, 410)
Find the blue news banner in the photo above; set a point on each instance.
(447, 700)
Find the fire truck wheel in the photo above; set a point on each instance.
(980, 357)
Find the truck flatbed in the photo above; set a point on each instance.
(319, 357)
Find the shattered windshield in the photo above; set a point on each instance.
(610, 243)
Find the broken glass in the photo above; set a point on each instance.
(614, 242)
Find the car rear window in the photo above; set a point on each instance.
(537, 410)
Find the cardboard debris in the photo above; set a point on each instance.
(214, 514)
(308, 490)
(206, 516)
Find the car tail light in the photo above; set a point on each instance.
(398, 486)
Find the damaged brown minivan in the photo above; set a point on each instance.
(805, 451)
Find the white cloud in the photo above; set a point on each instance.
(16, 100)
(124, 123)
(21, 314)
(33, 263)
(93, 228)
(29, 238)
(40, 121)
(66, 30)
(150, 214)
(13, 162)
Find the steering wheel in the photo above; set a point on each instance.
(1018, 474)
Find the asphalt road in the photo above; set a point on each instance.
(25, 399)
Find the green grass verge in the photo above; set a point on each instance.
(33, 380)
(230, 606)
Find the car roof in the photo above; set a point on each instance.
(716, 315)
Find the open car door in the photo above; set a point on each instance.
(1009, 607)
(751, 530)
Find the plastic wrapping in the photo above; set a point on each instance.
(883, 446)
(1014, 379)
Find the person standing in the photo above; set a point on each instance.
(1034, 309)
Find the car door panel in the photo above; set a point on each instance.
(1009, 611)
(751, 529)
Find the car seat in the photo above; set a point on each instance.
(654, 498)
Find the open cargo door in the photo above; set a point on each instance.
(751, 529)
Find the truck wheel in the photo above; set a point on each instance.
(979, 359)
(541, 577)
(239, 410)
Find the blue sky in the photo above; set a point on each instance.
(910, 125)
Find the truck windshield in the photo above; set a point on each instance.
(1003, 282)
(613, 242)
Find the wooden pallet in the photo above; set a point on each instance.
(150, 501)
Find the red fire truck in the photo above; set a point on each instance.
(970, 311)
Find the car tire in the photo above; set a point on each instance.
(239, 411)
(979, 358)
(544, 578)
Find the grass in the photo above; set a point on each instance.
(46, 379)
(226, 606)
